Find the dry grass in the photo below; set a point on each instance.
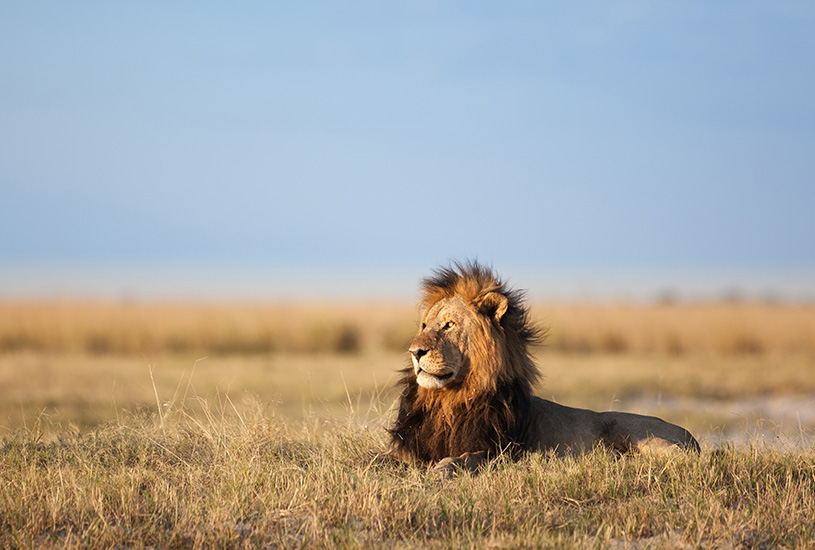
(241, 478)
(116, 433)
(83, 391)
(104, 328)
(727, 328)
(127, 328)
(86, 390)
(83, 363)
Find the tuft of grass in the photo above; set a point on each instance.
(240, 477)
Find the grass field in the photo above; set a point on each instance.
(231, 425)
(83, 363)
(251, 480)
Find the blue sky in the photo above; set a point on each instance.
(392, 136)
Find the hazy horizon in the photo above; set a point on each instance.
(268, 283)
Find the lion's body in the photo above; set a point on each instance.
(469, 396)
(569, 430)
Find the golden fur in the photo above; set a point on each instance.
(468, 394)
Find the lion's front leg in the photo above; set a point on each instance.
(470, 462)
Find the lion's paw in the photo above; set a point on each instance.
(470, 462)
(447, 468)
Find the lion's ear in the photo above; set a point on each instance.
(494, 305)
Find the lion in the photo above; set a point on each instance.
(467, 397)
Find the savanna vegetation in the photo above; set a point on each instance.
(164, 425)
(251, 480)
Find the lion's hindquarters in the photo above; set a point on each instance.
(646, 434)
(571, 430)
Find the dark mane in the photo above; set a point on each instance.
(485, 419)
(491, 422)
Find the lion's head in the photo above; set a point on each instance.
(474, 332)
(471, 370)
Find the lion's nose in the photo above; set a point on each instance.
(418, 352)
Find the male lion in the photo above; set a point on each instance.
(468, 395)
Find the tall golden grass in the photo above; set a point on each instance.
(82, 362)
(244, 479)
(136, 328)
(722, 328)
(99, 328)
(114, 434)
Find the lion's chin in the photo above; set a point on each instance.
(433, 381)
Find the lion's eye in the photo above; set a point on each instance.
(448, 324)
(424, 326)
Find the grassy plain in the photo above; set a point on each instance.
(251, 480)
(83, 363)
(234, 425)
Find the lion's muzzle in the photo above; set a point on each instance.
(430, 372)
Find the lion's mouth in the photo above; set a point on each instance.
(434, 381)
(439, 376)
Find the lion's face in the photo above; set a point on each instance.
(441, 350)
